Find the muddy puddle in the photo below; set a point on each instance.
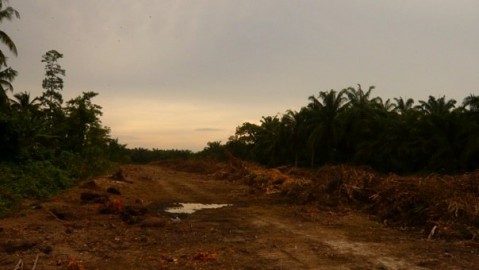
(189, 208)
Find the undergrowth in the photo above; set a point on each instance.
(41, 180)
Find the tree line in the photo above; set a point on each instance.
(353, 127)
(47, 128)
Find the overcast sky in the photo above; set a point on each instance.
(177, 74)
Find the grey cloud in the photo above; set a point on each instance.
(248, 54)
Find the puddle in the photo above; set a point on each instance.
(189, 208)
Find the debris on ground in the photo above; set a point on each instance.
(120, 176)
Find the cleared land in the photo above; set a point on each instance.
(89, 228)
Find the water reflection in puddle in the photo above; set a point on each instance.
(189, 208)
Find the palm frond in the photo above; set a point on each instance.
(8, 13)
(8, 41)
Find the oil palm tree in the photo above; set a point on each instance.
(440, 127)
(437, 106)
(384, 106)
(294, 124)
(359, 98)
(358, 125)
(403, 106)
(472, 103)
(267, 147)
(322, 120)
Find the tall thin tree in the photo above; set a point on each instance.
(53, 82)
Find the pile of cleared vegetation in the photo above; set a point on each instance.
(442, 206)
(445, 206)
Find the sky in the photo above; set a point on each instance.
(176, 74)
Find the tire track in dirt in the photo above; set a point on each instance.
(282, 242)
(333, 246)
(266, 228)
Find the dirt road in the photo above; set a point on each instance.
(256, 231)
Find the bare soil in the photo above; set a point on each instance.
(89, 228)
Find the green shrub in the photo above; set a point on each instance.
(38, 179)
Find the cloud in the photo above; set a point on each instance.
(163, 68)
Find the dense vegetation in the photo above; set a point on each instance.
(352, 127)
(46, 143)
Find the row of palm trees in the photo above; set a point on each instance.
(351, 126)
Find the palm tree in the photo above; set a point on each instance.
(27, 122)
(437, 106)
(6, 78)
(442, 136)
(359, 98)
(359, 119)
(323, 115)
(7, 75)
(471, 102)
(268, 145)
(22, 102)
(7, 13)
(293, 124)
(470, 153)
(385, 106)
(403, 106)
